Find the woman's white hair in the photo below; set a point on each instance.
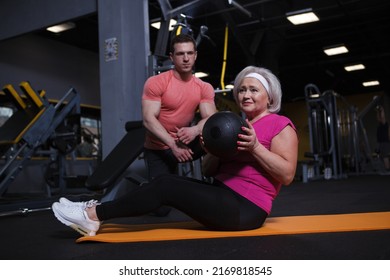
(275, 90)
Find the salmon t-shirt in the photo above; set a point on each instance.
(179, 102)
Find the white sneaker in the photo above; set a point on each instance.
(85, 204)
(74, 216)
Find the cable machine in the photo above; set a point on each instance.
(323, 129)
(339, 144)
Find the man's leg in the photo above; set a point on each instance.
(160, 163)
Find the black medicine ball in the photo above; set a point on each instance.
(220, 133)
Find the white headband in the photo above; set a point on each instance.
(260, 78)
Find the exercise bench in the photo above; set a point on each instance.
(113, 168)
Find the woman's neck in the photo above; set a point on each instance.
(255, 118)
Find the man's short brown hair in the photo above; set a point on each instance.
(182, 38)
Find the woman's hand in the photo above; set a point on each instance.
(247, 141)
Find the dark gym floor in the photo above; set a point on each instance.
(39, 236)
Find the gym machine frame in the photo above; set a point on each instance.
(335, 136)
(32, 125)
(322, 121)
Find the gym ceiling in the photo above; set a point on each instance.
(260, 34)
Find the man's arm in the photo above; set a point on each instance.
(206, 110)
(188, 134)
(150, 112)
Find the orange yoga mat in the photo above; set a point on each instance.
(115, 233)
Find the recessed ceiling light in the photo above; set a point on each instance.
(302, 16)
(335, 50)
(201, 74)
(354, 67)
(61, 27)
(371, 83)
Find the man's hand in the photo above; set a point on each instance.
(187, 134)
(182, 152)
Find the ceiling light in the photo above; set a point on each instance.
(61, 27)
(229, 86)
(302, 16)
(201, 74)
(371, 83)
(335, 50)
(354, 67)
(172, 23)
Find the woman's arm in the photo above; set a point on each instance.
(281, 160)
(210, 165)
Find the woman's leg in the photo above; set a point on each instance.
(216, 207)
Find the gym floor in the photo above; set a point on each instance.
(39, 236)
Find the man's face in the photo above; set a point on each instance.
(184, 57)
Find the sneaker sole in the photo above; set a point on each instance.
(82, 230)
(79, 229)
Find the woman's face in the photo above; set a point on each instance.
(252, 98)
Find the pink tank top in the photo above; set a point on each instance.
(245, 176)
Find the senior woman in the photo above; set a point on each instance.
(241, 195)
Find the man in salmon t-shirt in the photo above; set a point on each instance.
(170, 101)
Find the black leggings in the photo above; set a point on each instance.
(215, 206)
(164, 161)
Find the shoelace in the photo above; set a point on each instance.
(91, 203)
